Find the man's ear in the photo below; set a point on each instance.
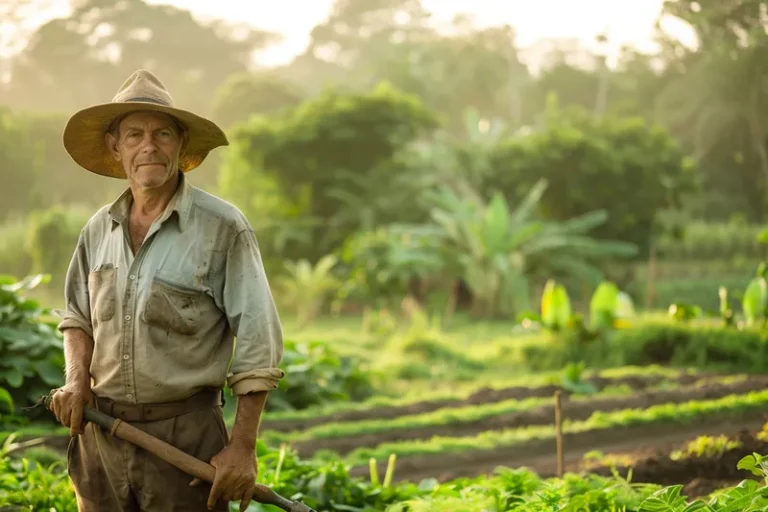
(111, 143)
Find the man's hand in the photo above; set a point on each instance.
(68, 404)
(236, 470)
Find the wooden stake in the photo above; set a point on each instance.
(559, 435)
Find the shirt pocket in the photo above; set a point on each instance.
(101, 288)
(173, 307)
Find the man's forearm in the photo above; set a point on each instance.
(249, 409)
(78, 352)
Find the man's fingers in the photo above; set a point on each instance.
(216, 489)
(55, 409)
(195, 482)
(66, 415)
(76, 421)
(247, 498)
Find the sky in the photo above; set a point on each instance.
(623, 21)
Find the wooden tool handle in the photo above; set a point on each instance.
(185, 462)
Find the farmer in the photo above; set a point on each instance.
(160, 283)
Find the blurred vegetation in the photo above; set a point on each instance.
(392, 165)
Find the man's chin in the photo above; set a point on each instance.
(151, 176)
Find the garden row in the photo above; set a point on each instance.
(697, 466)
(470, 440)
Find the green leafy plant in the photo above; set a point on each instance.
(382, 263)
(755, 301)
(306, 287)
(497, 249)
(31, 349)
(706, 446)
(572, 381)
(608, 308)
(683, 312)
(555, 307)
(317, 375)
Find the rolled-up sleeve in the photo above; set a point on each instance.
(253, 318)
(78, 311)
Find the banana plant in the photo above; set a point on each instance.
(305, 287)
(497, 250)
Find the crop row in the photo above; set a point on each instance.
(675, 413)
(326, 487)
(540, 410)
(540, 385)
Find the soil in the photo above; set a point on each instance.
(540, 457)
(573, 410)
(481, 396)
(702, 475)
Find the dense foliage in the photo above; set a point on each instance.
(317, 375)
(327, 486)
(621, 165)
(31, 353)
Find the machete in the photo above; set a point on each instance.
(176, 457)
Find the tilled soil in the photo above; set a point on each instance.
(539, 455)
(482, 396)
(699, 475)
(574, 410)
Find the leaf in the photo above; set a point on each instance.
(6, 401)
(13, 377)
(603, 306)
(529, 203)
(753, 302)
(667, 499)
(556, 306)
(495, 230)
(49, 372)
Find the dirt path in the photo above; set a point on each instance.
(540, 455)
(482, 396)
(574, 410)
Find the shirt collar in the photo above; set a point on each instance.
(180, 203)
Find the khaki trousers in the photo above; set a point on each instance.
(110, 474)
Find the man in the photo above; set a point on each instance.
(160, 284)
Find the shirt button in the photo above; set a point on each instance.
(129, 395)
(126, 356)
(132, 277)
(127, 317)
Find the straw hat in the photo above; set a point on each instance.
(85, 130)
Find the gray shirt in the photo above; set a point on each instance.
(164, 322)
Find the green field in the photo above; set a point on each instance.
(445, 407)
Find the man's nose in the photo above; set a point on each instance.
(148, 143)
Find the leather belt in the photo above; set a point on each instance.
(159, 411)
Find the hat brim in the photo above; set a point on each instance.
(85, 131)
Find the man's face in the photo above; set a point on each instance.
(148, 145)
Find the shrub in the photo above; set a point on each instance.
(31, 349)
(51, 240)
(317, 375)
(675, 344)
